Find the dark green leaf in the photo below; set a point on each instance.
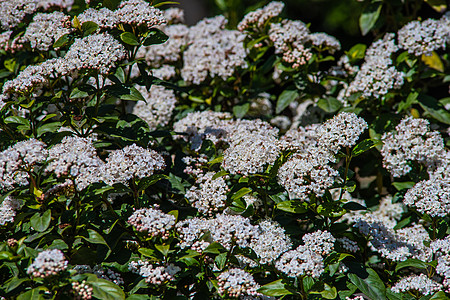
(14, 283)
(50, 127)
(17, 120)
(134, 95)
(34, 294)
(372, 286)
(89, 27)
(95, 238)
(104, 289)
(155, 36)
(364, 146)
(285, 98)
(434, 108)
(412, 262)
(370, 16)
(439, 296)
(292, 206)
(403, 185)
(41, 222)
(144, 183)
(330, 105)
(220, 174)
(239, 111)
(63, 40)
(240, 193)
(129, 38)
(354, 206)
(146, 252)
(220, 260)
(214, 248)
(274, 289)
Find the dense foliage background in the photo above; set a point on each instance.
(247, 156)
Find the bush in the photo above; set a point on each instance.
(142, 158)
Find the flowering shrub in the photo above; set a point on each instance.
(141, 158)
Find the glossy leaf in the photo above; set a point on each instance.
(370, 16)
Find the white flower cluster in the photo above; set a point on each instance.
(236, 283)
(99, 52)
(16, 160)
(343, 130)
(153, 221)
(101, 272)
(158, 106)
(420, 283)
(131, 161)
(8, 209)
(307, 259)
(47, 263)
(251, 154)
(45, 29)
(13, 11)
(306, 173)
(75, 157)
(213, 51)
(174, 15)
(289, 38)
(325, 42)
(270, 242)
(103, 17)
(139, 12)
(397, 246)
(153, 273)
(431, 196)
(82, 290)
(422, 38)
(208, 195)
(377, 75)
(224, 229)
(34, 77)
(349, 245)
(411, 141)
(299, 138)
(259, 17)
(166, 72)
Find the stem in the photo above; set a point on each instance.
(348, 158)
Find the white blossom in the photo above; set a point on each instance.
(48, 263)
(152, 221)
(420, 283)
(236, 283)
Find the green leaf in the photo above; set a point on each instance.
(63, 40)
(14, 283)
(146, 252)
(50, 127)
(372, 286)
(17, 120)
(129, 38)
(357, 52)
(139, 285)
(403, 185)
(434, 108)
(134, 95)
(433, 61)
(154, 37)
(285, 98)
(164, 249)
(220, 174)
(370, 16)
(34, 294)
(95, 238)
(166, 3)
(41, 222)
(438, 5)
(214, 248)
(330, 105)
(292, 206)
(274, 289)
(412, 262)
(328, 292)
(439, 296)
(89, 27)
(77, 93)
(220, 260)
(111, 4)
(364, 146)
(144, 183)
(104, 289)
(240, 193)
(239, 111)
